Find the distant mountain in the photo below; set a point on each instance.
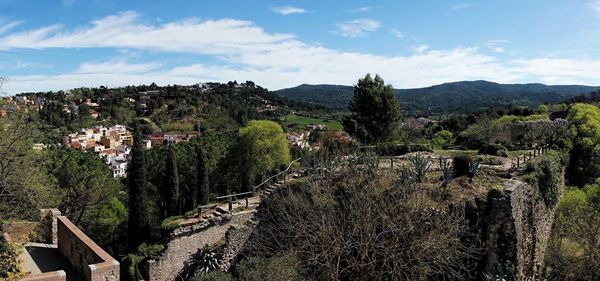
(457, 97)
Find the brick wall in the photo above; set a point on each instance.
(89, 259)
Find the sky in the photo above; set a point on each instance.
(62, 44)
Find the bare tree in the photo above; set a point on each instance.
(351, 225)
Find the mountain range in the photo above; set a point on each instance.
(455, 97)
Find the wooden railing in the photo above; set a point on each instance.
(522, 159)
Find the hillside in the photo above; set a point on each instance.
(456, 97)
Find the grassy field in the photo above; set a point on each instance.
(301, 121)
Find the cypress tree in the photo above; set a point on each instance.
(202, 178)
(138, 221)
(172, 184)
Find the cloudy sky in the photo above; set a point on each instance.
(62, 44)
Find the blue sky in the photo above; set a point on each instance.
(62, 44)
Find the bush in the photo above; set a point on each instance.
(461, 164)
(9, 266)
(213, 276)
(493, 149)
(545, 174)
(274, 268)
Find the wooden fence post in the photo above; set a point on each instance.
(230, 203)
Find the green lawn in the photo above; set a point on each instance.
(301, 121)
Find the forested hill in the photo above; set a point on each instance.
(456, 97)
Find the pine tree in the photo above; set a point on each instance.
(202, 178)
(375, 111)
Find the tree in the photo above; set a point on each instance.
(84, 180)
(24, 188)
(375, 111)
(171, 186)
(262, 147)
(142, 210)
(574, 251)
(202, 177)
(584, 164)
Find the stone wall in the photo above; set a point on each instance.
(188, 240)
(515, 228)
(235, 243)
(93, 263)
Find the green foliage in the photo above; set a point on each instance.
(546, 175)
(420, 165)
(447, 173)
(203, 185)
(584, 166)
(574, 251)
(474, 168)
(300, 122)
(434, 100)
(443, 138)
(203, 261)
(513, 119)
(170, 187)
(85, 182)
(24, 187)
(461, 165)
(171, 223)
(493, 149)
(375, 111)
(9, 266)
(143, 211)
(262, 148)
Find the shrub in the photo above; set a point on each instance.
(9, 266)
(474, 168)
(493, 149)
(213, 276)
(274, 268)
(461, 164)
(545, 174)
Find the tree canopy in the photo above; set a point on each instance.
(375, 110)
(263, 147)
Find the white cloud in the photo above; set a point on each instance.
(496, 45)
(288, 10)
(7, 26)
(241, 50)
(595, 5)
(68, 2)
(461, 6)
(357, 28)
(361, 9)
(397, 33)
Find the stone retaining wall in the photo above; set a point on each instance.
(188, 241)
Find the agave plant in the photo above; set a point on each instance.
(204, 261)
(474, 168)
(421, 165)
(447, 173)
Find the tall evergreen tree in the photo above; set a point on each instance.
(172, 185)
(140, 211)
(202, 178)
(375, 110)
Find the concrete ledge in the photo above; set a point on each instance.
(59, 275)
